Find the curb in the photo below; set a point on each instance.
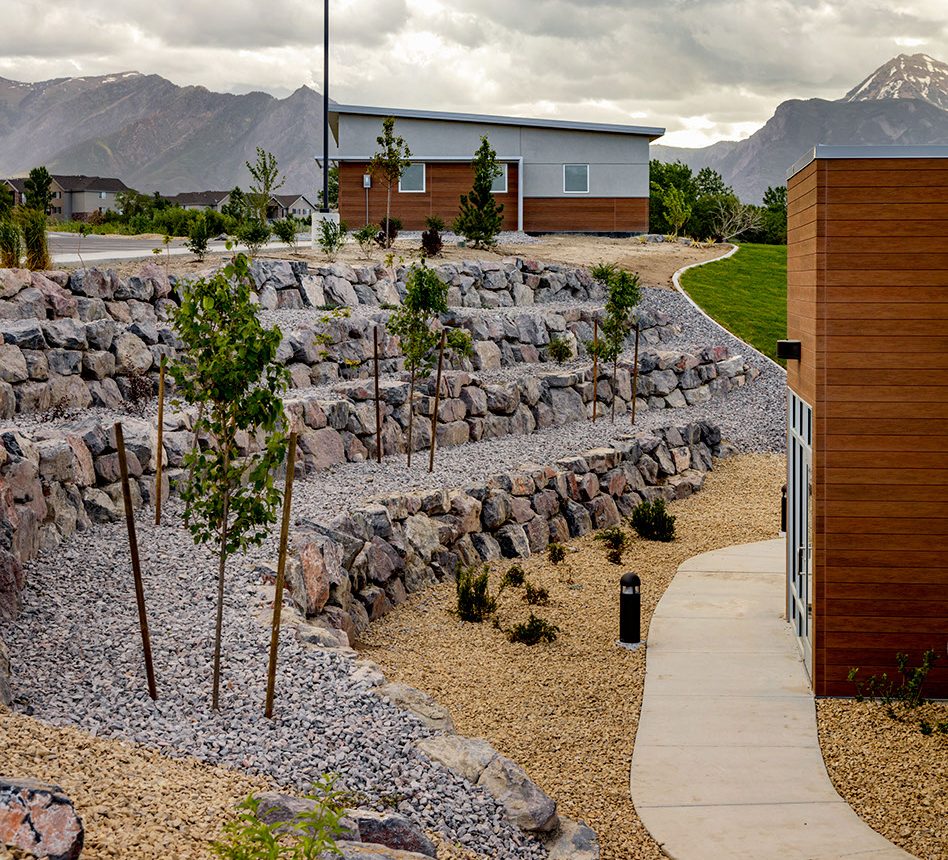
(676, 283)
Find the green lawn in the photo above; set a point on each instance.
(746, 293)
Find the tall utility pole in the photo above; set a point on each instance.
(325, 206)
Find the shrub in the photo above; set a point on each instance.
(285, 230)
(10, 247)
(533, 631)
(365, 237)
(907, 690)
(331, 237)
(616, 540)
(475, 602)
(652, 521)
(481, 217)
(138, 392)
(431, 241)
(254, 234)
(197, 237)
(535, 595)
(514, 577)
(604, 272)
(33, 226)
(388, 231)
(560, 350)
(556, 552)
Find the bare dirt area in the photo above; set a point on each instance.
(134, 802)
(895, 777)
(655, 263)
(568, 711)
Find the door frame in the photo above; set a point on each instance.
(800, 524)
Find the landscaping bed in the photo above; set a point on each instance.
(567, 712)
(892, 775)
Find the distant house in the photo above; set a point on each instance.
(558, 176)
(294, 204)
(76, 198)
(199, 200)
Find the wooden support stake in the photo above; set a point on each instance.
(136, 563)
(159, 453)
(281, 574)
(378, 402)
(595, 367)
(437, 403)
(635, 373)
(411, 412)
(615, 364)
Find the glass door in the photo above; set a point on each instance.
(799, 521)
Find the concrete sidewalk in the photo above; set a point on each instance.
(726, 762)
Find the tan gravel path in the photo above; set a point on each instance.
(568, 712)
(895, 777)
(134, 803)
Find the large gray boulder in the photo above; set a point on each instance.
(573, 841)
(432, 714)
(525, 803)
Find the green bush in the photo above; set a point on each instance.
(514, 577)
(197, 237)
(652, 521)
(474, 600)
(560, 350)
(331, 237)
(556, 552)
(365, 238)
(388, 231)
(533, 631)
(285, 230)
(616, 541)
(10, 247)
(604, 272)
(535, 595)
(33, 226)
(431, 241)
(907, 690)
(254, 234)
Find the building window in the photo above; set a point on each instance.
(499, 185)
(575, 178)
(102, 195)
(413, 179)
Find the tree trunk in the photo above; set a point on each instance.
(388, 215)
(411, 411)
(220, 604)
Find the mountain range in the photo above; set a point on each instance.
(904, 101)
(155, 135)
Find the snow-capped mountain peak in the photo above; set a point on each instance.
(907, 76)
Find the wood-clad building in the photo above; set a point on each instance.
(867, 298)
(558, 176)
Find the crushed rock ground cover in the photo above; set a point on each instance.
(568, 712)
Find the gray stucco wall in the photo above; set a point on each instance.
(618, 163)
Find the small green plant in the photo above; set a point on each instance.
(905, 691)
(514, 577)
(556, 552)
(474, 600)
(604, 272)
(365, 238)
(431, 241)
(33, 227)
(480, 217)
(560, 350)
(198, 236)
(310, 835)
(332, 237)
(285, 230)
(535, 595)
(652, 521)
(10, 246)
(254, 234)
(388, 231)
(616, 541)
(533, 631)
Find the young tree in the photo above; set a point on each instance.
(229, 369)
(236, 206)
(266, 182)
(388, 164)
(39, 195)
(285, 231)
(663, 176)
(624, 296)
(254, 234)
(677, 209)
(481, 216)
(197, 236)
(733, 218)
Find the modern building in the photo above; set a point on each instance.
(558, 176)
(76, 198)
(867, 316)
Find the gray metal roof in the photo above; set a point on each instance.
(822, 150)
(488, 119)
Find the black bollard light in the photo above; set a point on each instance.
(630, 609)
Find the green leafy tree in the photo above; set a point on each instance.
(388, 164)
(663, 176)
(332, 237)
(481, 217)
(624, 295)
(774, 215)
(333, 190)
(237, 205)
(426, 297)
(266, 182)
(38, 188)
(677, 209)
(198, 236)
(230, 371)
(285, 230)
(710, 183)
(254, 234)
(365, 238)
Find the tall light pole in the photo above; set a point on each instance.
(325, 206)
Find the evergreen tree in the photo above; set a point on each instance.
(39, 196)
(481, 217)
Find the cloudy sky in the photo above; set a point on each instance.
(705, 69)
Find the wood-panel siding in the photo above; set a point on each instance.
(867, 296)
(585, 214)
(445, 182)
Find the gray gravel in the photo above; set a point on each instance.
(77, 661)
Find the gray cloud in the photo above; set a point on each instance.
(706, 69)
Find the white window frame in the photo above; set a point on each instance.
(575, 164)
(103, 195)
(424, 180)
(503, 176)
